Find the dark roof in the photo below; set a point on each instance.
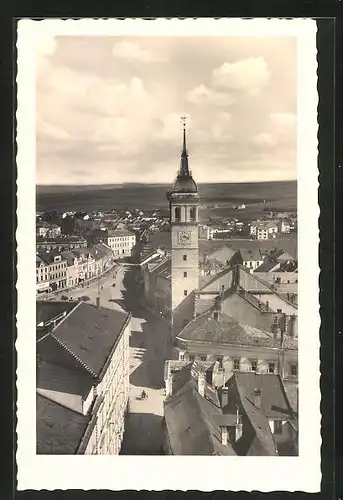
(191, 425)
(274, 401)
(59, 430)
(266, 267)
(90, 333)
(57, 378)
(185, 184)
(163, 268)
(69, 256)
(254, 254)
(47, 310)
(48, 257)
(225, 330)
(292, 395)
(263, 441)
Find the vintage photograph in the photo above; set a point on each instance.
(166, 239)
(168, 222)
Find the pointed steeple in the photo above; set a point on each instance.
(184, 170)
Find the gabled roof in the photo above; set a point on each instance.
(191, 425)
(225, 330)
(266, 267)
(222, 254)
(69, 257)
(59, 430)
(90, 333)
(274, 402)
(56, 378)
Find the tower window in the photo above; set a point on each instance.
(185, 257)
(178, 214)
(185, 293)
(185, 274)
(192, 213)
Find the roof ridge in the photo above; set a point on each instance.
(66, 316)
(73, 355)
(194, 390)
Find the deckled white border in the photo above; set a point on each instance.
(163, 472)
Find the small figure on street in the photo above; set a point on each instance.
(144, 394)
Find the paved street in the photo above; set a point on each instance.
(148, 351)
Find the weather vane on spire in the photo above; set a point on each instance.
(183, 120)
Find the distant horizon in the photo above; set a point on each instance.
(161, 183)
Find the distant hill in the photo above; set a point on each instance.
(144, 196)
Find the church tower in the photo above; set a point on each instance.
(184, 220)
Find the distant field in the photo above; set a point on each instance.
(287, 243)
(216, 199)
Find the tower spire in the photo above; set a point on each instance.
(184, 170)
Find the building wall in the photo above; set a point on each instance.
(113, 389)
(276, 303)
(209, 353)
(121, 245)
(182, 286)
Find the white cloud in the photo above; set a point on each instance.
(286, 119)
(263, 140)
(208, 96)
(132, 52)
(249, 74)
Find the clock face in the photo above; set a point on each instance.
(184, 237)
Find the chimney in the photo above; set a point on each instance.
(238, 426)
(201, 384)
(257, 398)
(224, 434)
(98, 302)
(224, 397)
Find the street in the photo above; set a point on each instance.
(148, 351)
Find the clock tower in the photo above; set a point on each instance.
(184, 220)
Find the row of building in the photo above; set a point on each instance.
(250, 415)
(57, 270)
(82, 386)
(267, 229)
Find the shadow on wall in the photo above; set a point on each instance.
(143, 435)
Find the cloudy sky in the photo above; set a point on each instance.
(109, 108)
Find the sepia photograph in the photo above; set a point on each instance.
(167, 227)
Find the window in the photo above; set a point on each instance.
(277, 426)
(185, 293)
(223, 288)
(192, 213)
(220, 361)
(271, 367)
(185, 274)
(294, 370)
(254, 365)
(181, 356)
(236, 364)
(203, 358)
(177, 214)
(191, 358)
(184, 257)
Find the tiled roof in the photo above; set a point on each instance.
(292, 395)
(274, 401)
(225, 330)
(266, 267)
(48, 257)
(69, 257)
(53, 377)
(191, 425)
(90, 333)
(222, 254)
(59, 430)
(46, 310)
